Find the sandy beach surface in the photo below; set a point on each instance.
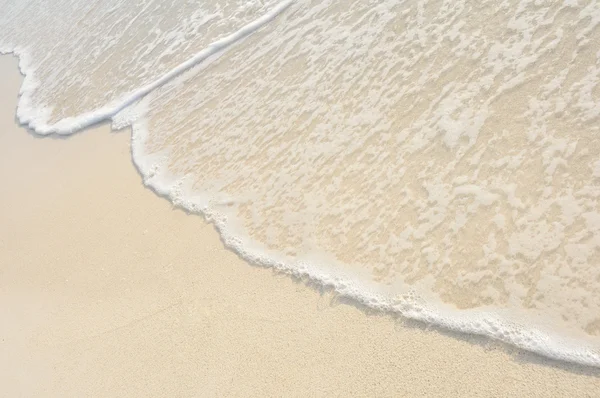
(106, 290)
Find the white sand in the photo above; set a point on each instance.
(106, 290)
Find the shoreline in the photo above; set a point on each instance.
(496, 326)
(435, 315)
(147, 308)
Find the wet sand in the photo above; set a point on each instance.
(107, 290)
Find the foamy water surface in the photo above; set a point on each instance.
(438, 159)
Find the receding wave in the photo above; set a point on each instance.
(436, 159)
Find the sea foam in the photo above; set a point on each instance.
(433, 159)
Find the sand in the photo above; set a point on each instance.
(107, 290)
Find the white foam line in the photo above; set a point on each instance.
(71, 125)
(473, 322)
(495, 324)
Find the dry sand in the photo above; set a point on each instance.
(106, 291)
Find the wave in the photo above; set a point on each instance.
(335, 145)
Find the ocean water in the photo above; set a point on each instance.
(436, 159)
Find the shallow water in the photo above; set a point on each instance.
(438, 159)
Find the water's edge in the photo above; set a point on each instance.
(494, 325)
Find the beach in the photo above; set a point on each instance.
(107, 289)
